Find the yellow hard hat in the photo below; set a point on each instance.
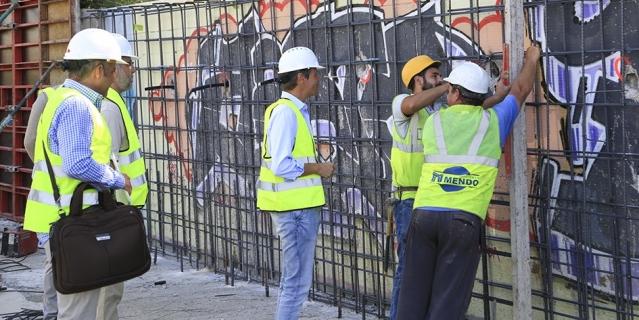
(415, 66)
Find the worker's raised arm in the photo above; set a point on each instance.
(522, 86)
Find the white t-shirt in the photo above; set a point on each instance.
(401, 121)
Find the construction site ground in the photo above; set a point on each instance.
(192, 294)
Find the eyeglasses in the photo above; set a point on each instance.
(129, 62)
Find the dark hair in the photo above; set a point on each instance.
(288, 81)
(411, 83)
(79, 68)
(470, 97)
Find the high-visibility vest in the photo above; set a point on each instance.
(407, 155)
(273, 192)
(461, 155)
(130, 160)
(41, 209)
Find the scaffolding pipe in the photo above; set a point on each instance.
(14, 109)
(13, 6)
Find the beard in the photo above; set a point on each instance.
(427, 85)
(122, 80)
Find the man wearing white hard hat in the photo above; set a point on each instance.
(73, 134)
(462, 147)
(125, 145)
(290, 182)
(125, 142)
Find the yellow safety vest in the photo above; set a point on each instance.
(273, 192)
(407, 155)
(130, 160)
(41, 210)
(461, 155)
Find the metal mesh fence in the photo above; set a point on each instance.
(202, 88)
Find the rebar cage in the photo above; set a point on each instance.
(203, 84)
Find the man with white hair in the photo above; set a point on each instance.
(126, 147)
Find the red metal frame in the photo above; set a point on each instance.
(15, 165)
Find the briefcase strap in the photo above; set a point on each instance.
(54, 184)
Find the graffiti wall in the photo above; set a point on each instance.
(203, 85)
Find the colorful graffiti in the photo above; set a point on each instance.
(583, 186)
(224, 110)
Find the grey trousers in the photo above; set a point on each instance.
(108, 301)
(99, 304)
(49, 298)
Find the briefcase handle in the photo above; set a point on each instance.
(105, 199)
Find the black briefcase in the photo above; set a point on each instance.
(98, 246)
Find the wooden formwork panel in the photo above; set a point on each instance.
(31, 38)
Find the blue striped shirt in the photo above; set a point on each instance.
(70, 137)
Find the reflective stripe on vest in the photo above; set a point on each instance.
(471, 156)
(124, 160)
(41, 209)
(277, 194)
(456, 175)
(42, 166)
(88, 198)
(462, 160)
(408, 148)
(131, 161)
(477, 139)
(283, 186)
(406, 156)
(138, 181)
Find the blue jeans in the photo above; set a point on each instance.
(402, 214)
(298, 233)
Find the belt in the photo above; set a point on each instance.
(404, 189)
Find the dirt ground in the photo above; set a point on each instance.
(192, 294)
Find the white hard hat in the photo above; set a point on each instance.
(93, 44)
(470, 77)
(297, 58)
(125, 46)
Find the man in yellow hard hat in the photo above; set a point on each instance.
(74, 137)
(422, 77)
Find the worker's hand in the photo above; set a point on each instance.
(502, 87)
(127, 184)
(441, 82)
(533, 53)
(325, 169)
(444, 86)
